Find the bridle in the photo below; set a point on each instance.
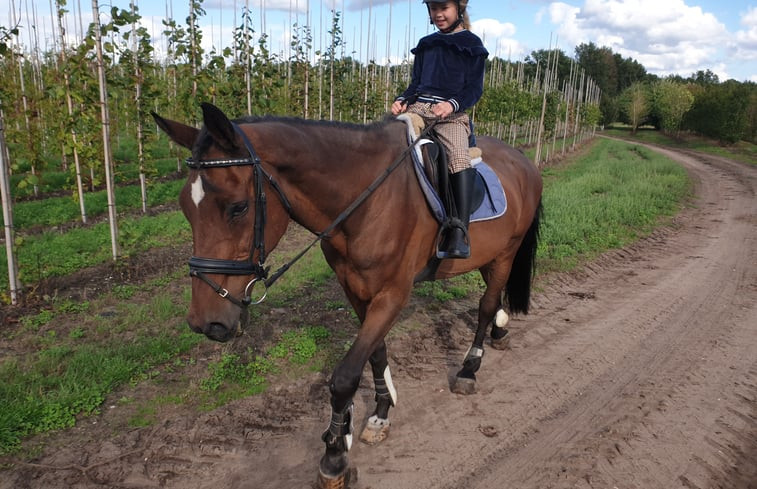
(199, 267)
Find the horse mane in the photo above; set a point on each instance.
(297, 121)
(204, 140)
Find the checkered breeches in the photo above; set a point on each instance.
(453, 133)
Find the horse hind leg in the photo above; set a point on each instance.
(377, 427)
(491, 302)
(465, 379)
(500, 338)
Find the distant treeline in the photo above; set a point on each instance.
(722, 110)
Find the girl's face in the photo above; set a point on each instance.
(443, 15)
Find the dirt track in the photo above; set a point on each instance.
(640, 371)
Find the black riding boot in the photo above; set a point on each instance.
(456, 243)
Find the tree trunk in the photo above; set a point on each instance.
(106, 133)
(5, 195)
(70, 106)
(138, 101)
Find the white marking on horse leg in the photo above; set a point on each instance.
(197, 191)
(390, 385)
(376, 430)
(501, 319)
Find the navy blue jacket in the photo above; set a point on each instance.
(448, 67)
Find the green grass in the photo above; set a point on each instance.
(132, 343)
(311, 269)
(454, 288)
(235, 376)
(56, 211)
(742, 151)
(54, 254)
(607, 199)
(50, 179)
(49, 389)
(79, 352)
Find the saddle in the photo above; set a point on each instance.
(430, 159)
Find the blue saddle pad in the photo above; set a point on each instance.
(494, 202)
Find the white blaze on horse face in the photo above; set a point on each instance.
(197, 191)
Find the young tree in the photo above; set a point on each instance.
(336, 41)
(105, 118)
(634, 102)
(65, 67)
(5, 195)
(724, 111)
(670, 102)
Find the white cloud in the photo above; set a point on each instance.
(493, 28)
(664, 36)
(744, 45)
(498, 37)
(354, 5)
(564, 15)
(285, 5)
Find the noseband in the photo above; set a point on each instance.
(199, 267)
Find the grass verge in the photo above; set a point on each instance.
(742, 151)
(611, 196)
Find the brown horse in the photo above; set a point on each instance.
(249, 177)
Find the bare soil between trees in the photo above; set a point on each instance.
(637, 371)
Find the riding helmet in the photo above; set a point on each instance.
(462, 17)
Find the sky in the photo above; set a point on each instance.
(666, 36)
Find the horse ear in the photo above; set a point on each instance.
(219, 126)
(179, 133)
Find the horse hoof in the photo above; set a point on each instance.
(376, 430)
(342, 481)
(501, 343)
(464, 386)
(500, 338)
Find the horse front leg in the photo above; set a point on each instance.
(334, 470)
(377, 427)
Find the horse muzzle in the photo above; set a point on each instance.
(220, 332)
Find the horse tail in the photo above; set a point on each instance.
(518, 287)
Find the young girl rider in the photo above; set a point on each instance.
(448, 78)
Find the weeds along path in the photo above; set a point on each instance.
(638, 371)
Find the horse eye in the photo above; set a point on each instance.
(238, 209)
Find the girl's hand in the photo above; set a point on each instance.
(442, 109)
(398, 107)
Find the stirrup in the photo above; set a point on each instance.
(451, 226)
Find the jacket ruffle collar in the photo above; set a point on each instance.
(464, 41)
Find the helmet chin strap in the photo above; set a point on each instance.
(452, 27)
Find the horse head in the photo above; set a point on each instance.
(233, 225)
